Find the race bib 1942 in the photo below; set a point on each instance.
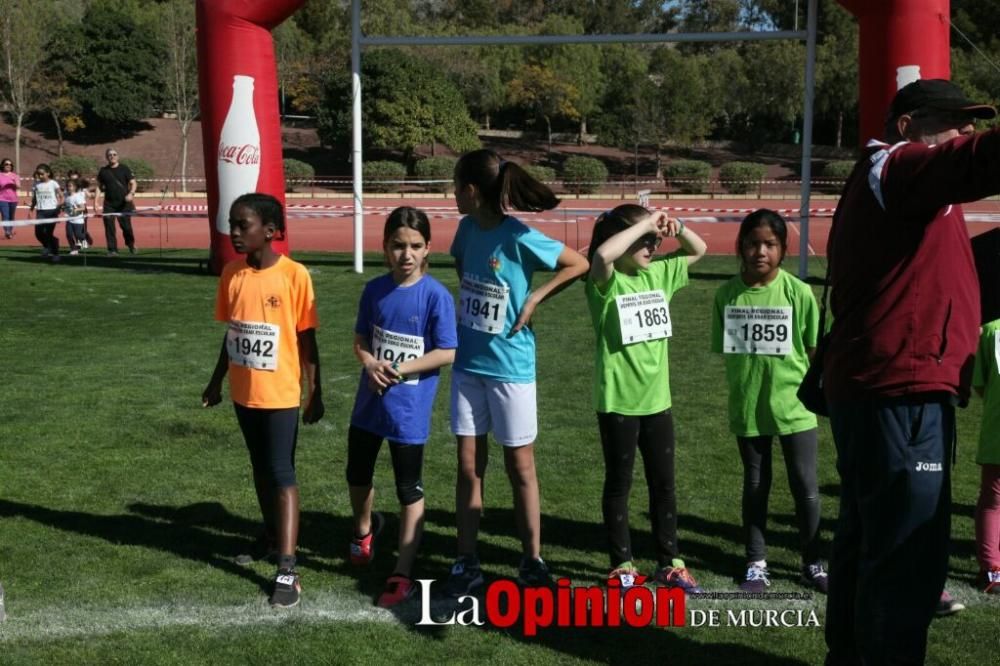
(396, 347)
(253, 344)
(643, 316)
(483, 305)
(757, 330)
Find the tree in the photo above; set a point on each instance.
(540, 90)
(177, 32)
(119, 79)
(294, 51)
(24, 30)
(407, 103)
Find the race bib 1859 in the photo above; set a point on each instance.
(396, 347)
(253, 344)
(643, 316)
(757, 330)
(483, 305)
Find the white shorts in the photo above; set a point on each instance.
(480, 404)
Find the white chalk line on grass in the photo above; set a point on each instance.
(63, 622)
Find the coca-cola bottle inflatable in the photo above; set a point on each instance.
(238, 163)
(238, 98)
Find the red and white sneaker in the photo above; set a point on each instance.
(363, 548)
(398, 588)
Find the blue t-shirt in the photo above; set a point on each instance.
(393, 319)
(495, 263)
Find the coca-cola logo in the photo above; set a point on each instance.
(247, 153)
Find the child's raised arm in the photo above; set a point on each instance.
(691, 243)
(570, 266)
(604, 256)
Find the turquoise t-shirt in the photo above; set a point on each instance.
(632, 379)
(986, 376)
(497, 266)
(763, 387)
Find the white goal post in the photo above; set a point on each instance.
(358, 40)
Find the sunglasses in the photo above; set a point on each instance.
(651, 241)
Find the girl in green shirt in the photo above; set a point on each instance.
(628, 293)
(766, 323)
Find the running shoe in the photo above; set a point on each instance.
(757, 579)
(287, 589)
(677, 575)
(627, 575)
(947, 605)
(533, 572)
(814, 576)
(465, 578)
(398, 588)
(989, 581)
(363, 548)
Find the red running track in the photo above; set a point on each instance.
(571, 223)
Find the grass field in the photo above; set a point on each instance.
(123, 502)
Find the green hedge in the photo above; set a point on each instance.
(541, 173)
(838, 169)
(689, 176)
(383, 170)
(584, 174)
(143, 172)
(436, 168)
(297, 173)
(87, 166)
(742, 177)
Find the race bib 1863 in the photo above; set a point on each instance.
(396, 347)
(757, 330)
(483, 305)
(253, 344)
(643, 316)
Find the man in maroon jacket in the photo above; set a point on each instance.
(905, 301)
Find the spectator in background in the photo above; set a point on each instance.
(117, 183)
(9, 182)
(905, 303)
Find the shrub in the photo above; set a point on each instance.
(87, 166)
(541, 173)
(742, 177)
(436, 168)
(383, 170)
(297, 173)
(142, 171)
(690, 176)
(584, 174)
(837, 170)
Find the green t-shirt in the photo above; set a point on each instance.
(762, 387)
(632, 379)
(986, 377)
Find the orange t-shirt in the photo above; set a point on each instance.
(265, 309)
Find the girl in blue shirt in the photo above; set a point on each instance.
(405, 333)
(493, 382)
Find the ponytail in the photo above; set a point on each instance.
(503, 185)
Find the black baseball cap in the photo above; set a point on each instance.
(937, 95)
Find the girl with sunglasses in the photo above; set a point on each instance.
(628, 293)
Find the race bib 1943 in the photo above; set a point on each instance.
(253, 344)
(483, 305)
(757, 330)
(643, 316)
(396, 347)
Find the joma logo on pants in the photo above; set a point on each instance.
(928, 467)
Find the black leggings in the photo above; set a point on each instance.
(270, 435)
(654, 436)
(799, 451)
(407, 464)
(45, 234)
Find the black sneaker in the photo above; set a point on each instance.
(287, 589)
(465, 578)
(131, 249)
(814, 576)
(534, 573)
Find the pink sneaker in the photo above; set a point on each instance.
(398, 588)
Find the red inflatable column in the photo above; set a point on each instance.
(238, 94)
(900, 41)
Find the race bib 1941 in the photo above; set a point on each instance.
(757, 330)
(253, 344)
(396, 347)
(483, 305)
(643, 316)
